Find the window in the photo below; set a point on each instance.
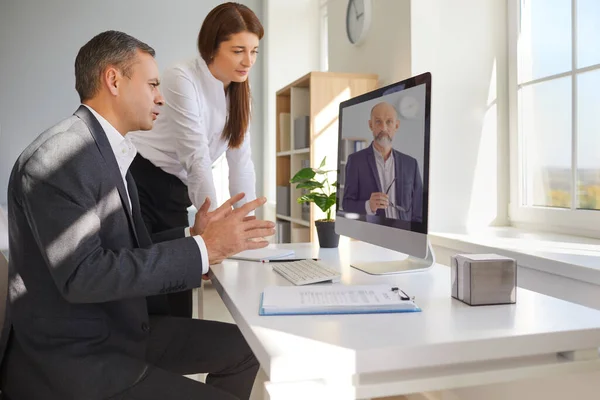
(555, 113)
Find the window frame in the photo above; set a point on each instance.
(567, 221)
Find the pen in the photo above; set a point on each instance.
(403, 296)
(389, 187)
(289, 260)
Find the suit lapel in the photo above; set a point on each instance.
(111, 162)
(138, 222)
(373, 166)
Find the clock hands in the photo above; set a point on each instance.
(356, 13)
(356, 28)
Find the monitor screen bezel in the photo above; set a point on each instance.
(343, 224)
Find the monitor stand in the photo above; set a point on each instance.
(409, 264)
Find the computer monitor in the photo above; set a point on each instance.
(383, 173)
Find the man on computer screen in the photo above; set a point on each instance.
(381, 180)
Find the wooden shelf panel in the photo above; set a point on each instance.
(316, 95)
(300, 233)
(282, 133)
(283, 171)
(302, 151)
(294, 220)
(290, 152)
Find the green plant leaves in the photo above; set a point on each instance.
(320, 193)
(309, 185)
(305, 174)
(322, 201)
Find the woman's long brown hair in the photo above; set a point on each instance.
(223, 21)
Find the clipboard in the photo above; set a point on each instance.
(335, 299)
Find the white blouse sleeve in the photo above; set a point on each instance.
(190, 135)
(242, 177)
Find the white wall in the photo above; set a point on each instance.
(463, 43)
(40, 39)
(292, 50)
(385, 51)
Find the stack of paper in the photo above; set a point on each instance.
(334, 299)
(263, 254)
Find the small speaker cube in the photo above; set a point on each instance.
(484, 279)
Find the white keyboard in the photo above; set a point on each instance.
(305, 272)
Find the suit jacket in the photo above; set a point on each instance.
(81, 265)
(362, 179)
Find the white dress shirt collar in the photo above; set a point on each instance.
(215, 86)
(122, 147)
(209, 77)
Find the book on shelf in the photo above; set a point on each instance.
(359, 145)
(283, 231)
(285, 135)
(350, 146)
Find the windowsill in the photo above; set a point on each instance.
(565, 255)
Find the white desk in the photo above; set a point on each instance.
(448, 345)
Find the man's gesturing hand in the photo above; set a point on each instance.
(229, 231)
(204, 217)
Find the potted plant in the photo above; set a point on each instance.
(323, 194)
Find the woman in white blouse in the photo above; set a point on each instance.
(207, 113)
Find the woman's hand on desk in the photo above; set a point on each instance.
(229, 231)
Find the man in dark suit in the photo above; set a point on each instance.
(381, 180)
(82, 262)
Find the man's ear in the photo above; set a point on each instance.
(370, 125)
(112, 78)
(397, 123)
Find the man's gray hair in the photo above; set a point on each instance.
(105, 49)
